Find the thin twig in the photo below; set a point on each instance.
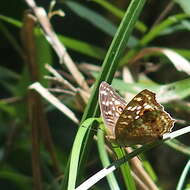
(140, 172)
(62, 91)
(53, 100)
(34, 102)
(164, 13)
(59, 77)
(59, 48)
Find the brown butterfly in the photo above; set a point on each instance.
(141, 121)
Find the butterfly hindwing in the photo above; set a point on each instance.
(143, 120)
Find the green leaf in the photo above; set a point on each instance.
(7, 74)
(159, 28)
(76, 151)
(97, 20)
(152, 34)
(125, 170)
(94, 18)
(108, 70)
(105, 160)
(74, 44)
(21, 181)
(11, 21)
(183, 25)
(83, 47)
(179, 89)
(183, 52)
(185, 5)
(183, 176)
(110, 65)
(119, 13)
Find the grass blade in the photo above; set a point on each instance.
(183, 176)
(75, 153)
(105, 161)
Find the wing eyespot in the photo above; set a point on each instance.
(119, 109)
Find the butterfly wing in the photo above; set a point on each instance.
(143, 120)
(111, 107)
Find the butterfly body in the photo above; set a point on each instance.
(141, 121)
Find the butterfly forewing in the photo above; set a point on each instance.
(111, 106)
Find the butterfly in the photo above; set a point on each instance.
(142, 120)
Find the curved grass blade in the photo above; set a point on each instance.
(111, 62)
(83, 47)
(76, 150)
(105, 171)
(109, 67)
(119, 13)
(153, 33)
(99, 21)
(105, 160)
(125, 170)
(96, 19)
(183, 176)
(159, 28)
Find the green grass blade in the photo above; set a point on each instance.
(150, 170)
(119, 13)
(12, 21)
(105, 160)
(184, 5)
(96, 19)
(74, 44)
(183, 52)
(20, 181)
(76, 149)
(112, 57)
(178, 146)
(183, 176)
(153, 33)
(110, 65)
(159, 28)
(125, 170)
(83, 47)
(11, 38)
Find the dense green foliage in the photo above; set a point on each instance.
(43, 148)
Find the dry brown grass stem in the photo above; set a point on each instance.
(58, 47)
